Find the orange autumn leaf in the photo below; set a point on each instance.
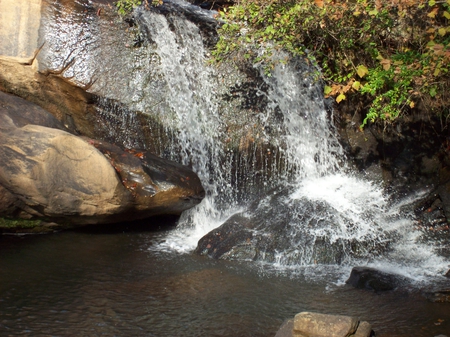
(319, 3)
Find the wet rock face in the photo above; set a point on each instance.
(409, 157)
(373, 279)
(204, 20)
(232, 240)
(46, 172)
(269, 228)
(169, 187)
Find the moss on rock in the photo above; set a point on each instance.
(15, 225)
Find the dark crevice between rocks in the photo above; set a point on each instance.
(151, 224)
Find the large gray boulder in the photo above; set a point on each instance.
(47, 172)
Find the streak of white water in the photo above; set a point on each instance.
(311, 147)
(195, 116)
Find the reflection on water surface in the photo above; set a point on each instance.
(111, 284)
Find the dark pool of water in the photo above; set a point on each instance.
(110, 284)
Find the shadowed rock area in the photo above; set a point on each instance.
(47, 172)
(373, 279)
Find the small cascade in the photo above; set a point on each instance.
(315, 211)
(194, 113)
(307, 140)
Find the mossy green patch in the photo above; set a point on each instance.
(24, 226)
(18, 223)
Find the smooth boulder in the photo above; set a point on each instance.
(47, 172)
(311, 324)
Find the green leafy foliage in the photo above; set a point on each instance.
(126, 6)
(392, 54)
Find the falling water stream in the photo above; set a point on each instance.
(317, 199)
(125, 281)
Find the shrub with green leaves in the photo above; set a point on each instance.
(393, 54)
(126, 6)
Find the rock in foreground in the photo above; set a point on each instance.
(49, 173)
(309, 324)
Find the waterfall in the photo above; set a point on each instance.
(328, 214)
(263, 146)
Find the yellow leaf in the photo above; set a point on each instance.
(437, 72)
(431, 3)
(411, 104)
(340, 98)
(442, 31)
(358, 13)
(356, 85)
(447, 14)
(327, 90)
(362, 71)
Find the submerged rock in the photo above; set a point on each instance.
(439, 296)
(47, 172)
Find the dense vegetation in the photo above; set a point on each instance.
(393, 55)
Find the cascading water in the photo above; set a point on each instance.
(272, 158)
(179, 46)
(326, 213)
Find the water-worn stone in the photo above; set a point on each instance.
(308, 324)
(229, 241)
(373, 279)
(46, 172)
